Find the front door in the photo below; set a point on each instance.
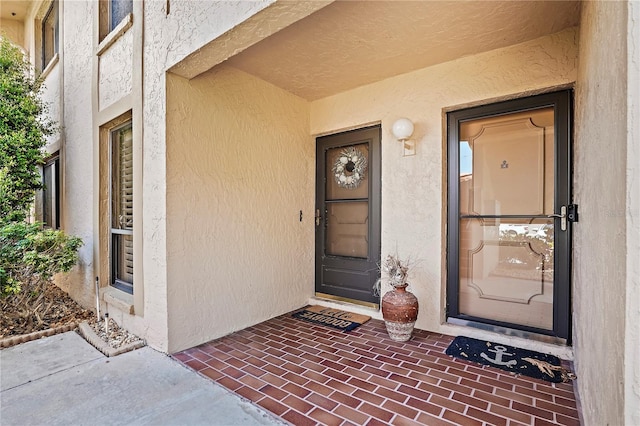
(510, 216)
(348, 215)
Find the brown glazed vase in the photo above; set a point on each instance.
(400, 312)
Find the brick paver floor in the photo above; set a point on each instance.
(308, 374)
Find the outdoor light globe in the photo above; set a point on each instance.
(402, 129)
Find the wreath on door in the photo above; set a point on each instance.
(349, 168)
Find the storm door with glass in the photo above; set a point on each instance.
(510, 216)
(121, 157)
(348, 215)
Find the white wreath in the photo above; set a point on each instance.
(349, 168)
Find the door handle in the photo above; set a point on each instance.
(562, 216)
(567, 213)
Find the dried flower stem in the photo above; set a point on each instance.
(396, 270)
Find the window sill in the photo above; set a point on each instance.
(51, 65)
(118, 299)
(114, 35)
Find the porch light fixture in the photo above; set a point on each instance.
(402, 129)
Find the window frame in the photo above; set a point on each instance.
(562, 102)
(52, 163)
(55, 42)
(107, 24)
(129, 9)
(117, 235)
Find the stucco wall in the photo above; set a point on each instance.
(632, 329)
(98, 89)
(70, 108)
(77, 149)
(600, 255)
(190, 25)
(50, 95)
(116, 71)
(412, 187)
(169, 36)
(239, 171)
(14, 30)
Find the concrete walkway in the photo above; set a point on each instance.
(62, 380)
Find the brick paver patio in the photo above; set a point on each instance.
(315, 375)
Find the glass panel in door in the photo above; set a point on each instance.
(347, 201)
(506, 227)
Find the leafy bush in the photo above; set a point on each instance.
(23, 131)
(29, 258)
(29, 255)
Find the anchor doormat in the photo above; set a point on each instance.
(508, 358)
(336, 318)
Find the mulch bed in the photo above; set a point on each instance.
(64, 312)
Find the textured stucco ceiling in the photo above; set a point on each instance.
(350, 43)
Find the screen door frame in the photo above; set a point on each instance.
(561, 101)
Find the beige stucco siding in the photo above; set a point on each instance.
(101, 84)
(190, 25)
(412, 187)
(632, 328)
(116, 71)
(599, 243)
(50, 95)
(240, 169)
(169, 36)
(77, 146)
(13, 30)
(607, 329)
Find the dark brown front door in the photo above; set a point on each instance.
(348, 215)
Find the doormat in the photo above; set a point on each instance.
(335, 318)
(515, 360)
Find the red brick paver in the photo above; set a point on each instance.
(313, 375)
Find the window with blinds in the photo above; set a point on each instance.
(122, 207)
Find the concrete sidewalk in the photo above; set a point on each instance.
(62, 380)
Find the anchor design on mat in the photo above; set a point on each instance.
(500, 351)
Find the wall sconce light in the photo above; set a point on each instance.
(402, 129)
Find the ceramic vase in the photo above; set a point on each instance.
(400, 312)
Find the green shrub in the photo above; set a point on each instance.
(23, 131)
(29, 258)
(29, 255)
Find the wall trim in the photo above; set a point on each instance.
(503, 98)
(115, 110)
(348, 128)
(51, 65)
(114, 35)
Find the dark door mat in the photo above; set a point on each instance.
(507, 358)
(335, 318)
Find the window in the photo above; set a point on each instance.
(121, 155)
(112, 12)
(118, 10)
(51, 193)
(50, 34)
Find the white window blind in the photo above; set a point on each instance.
(122, 203)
